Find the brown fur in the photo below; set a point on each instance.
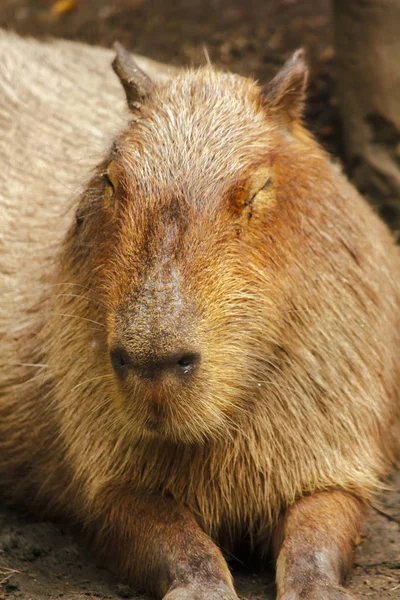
(318, 535)
(230, 232)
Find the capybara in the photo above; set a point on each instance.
(200, 351)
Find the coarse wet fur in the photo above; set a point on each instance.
(204, 346)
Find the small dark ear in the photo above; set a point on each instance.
(286, 93)
(137, 84)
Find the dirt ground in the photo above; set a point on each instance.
(42, 560)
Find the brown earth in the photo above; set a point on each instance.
(38, 560)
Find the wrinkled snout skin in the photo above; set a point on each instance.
(207, 353)
(154, 330)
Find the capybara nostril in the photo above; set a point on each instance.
(120, 361)
(155, 365)
(188, 362)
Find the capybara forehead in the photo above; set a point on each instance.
(201, 129)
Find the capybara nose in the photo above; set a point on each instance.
(179, 364)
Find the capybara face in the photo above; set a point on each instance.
(178, 222)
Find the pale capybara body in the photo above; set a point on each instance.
(204, 346)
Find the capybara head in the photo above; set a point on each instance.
(184, 226)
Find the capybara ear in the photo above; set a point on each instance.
(286, 93)
(136, 83)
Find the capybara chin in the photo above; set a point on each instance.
(213, 353)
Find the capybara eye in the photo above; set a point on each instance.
(111, 183)
(257, 190)
(79, 220)
(260, 188)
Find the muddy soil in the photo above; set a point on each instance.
(40, 560)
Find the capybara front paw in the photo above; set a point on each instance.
(320, 592)
(201, 591)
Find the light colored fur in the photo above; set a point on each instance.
(296, 308)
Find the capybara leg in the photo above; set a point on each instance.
(315, 543)
(157, 545)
